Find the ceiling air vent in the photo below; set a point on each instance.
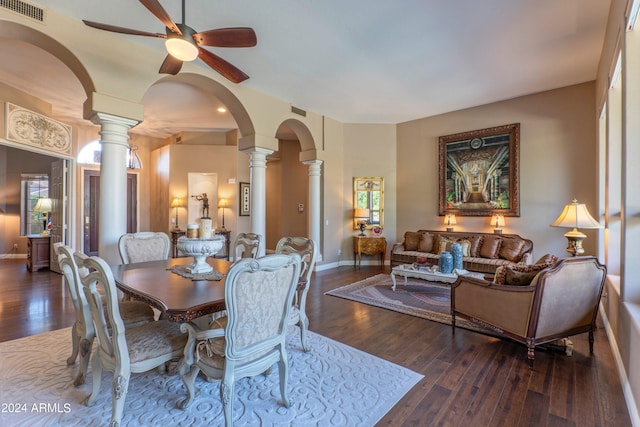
(298, 111)
(24, 9)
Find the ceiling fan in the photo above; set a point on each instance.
(185, 44)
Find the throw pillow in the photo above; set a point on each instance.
(476, 242)
(426, 243)
(411, 240)
(517, 275)
(436, 244)
(490, 247)
(445, 245)
(511, 249)
(547, 259)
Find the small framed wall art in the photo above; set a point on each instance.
(245, 199)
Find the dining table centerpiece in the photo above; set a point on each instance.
(200, 249)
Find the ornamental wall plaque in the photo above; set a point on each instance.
(35, 130)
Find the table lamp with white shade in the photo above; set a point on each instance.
(44, 205)
(362, 216)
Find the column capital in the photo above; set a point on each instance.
(102, 119)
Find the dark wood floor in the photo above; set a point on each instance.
(469, 379)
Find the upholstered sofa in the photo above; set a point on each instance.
(482, 252)
(537, 303)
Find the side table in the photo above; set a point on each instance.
(175, 235)
(227, 235)
(38, 255)
(369, 246)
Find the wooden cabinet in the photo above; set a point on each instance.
(38, 252)
(368, 246)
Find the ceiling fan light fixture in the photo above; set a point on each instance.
(181, 48)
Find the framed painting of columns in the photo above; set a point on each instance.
(479, 172)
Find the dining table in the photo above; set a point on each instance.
(178, 298)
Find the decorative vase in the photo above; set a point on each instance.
(200, 249)
(456, 252)
(445, 262)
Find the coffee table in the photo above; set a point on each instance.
(407, 270)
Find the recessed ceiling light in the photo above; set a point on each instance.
(222, 110)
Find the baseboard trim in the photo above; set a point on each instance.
(13, 256)
(622, 373)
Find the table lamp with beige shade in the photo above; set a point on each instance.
(177, 202)
(575, 215)
(497, 221)
(449, 220)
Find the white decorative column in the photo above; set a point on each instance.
(315, 172)
(258, 170)
(114, 139)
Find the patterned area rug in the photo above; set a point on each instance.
(332, 385)
(420, 298)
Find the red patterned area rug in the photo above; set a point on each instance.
(420, 298)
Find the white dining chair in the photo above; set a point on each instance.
(123, 351)
(144, 246)
(133, 313)
(258, 294)
(306, 248)
(246, 245)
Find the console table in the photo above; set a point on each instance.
(369, 246)
(227, 235)
(175, 235)
(38, 255)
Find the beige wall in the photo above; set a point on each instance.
(369, 150)
(183, 159)
(287, 186)
(557, 163)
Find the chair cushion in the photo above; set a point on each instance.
(135, 313)
(155, 339)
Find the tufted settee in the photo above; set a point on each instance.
(482, 252)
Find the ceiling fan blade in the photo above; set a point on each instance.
(170, 65)
(227, 37)
(122, 30)
(156, 8)
(223, 67)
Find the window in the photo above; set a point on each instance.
(33, 187)
(91, 154)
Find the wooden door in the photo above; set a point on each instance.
(58, 192)
(91, 208)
